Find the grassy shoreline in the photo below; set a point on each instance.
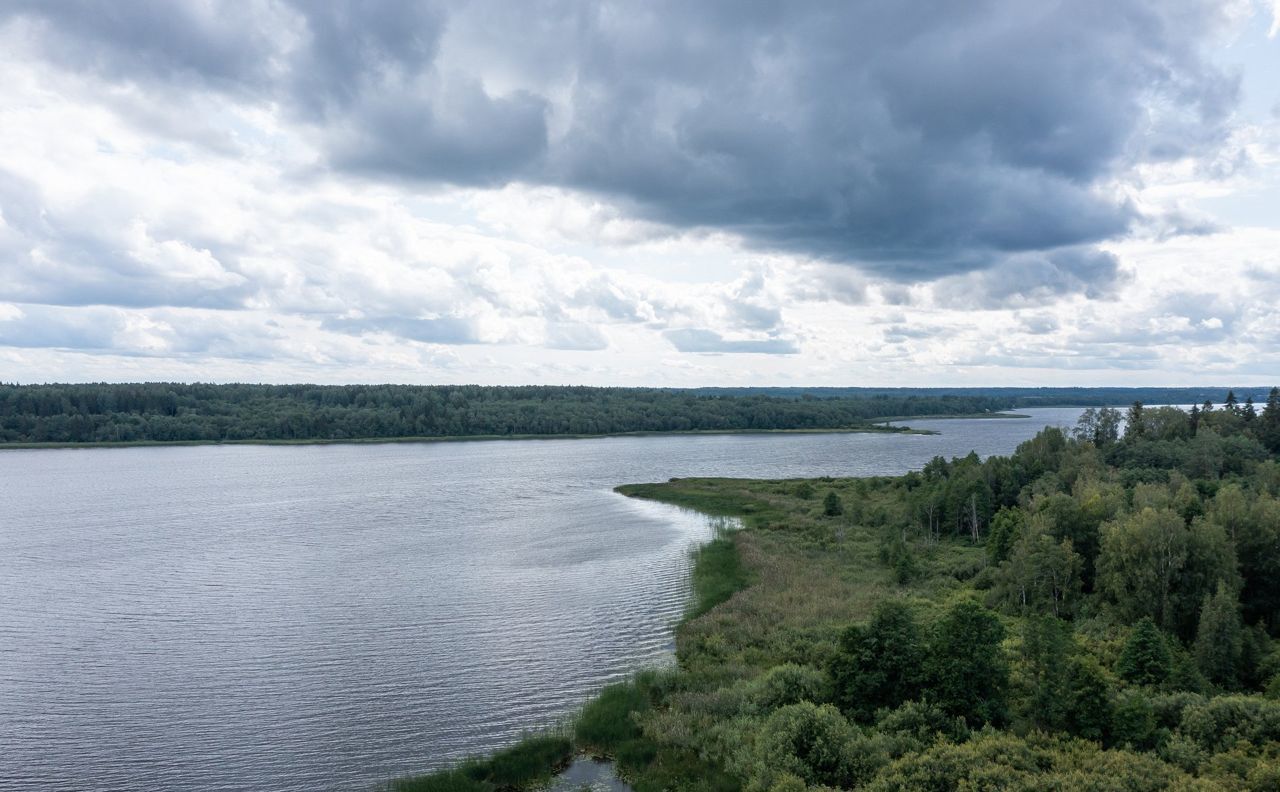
(870, 429)
(605, 725)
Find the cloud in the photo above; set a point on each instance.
(710, 342)
(913, 141)
(97, 252)
(580, 337)
(1029, 279)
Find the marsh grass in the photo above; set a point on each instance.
(533, 760)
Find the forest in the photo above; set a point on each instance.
(1097, 611)
(172, 412)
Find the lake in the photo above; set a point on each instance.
(332, 616)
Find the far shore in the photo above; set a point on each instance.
(876, 428)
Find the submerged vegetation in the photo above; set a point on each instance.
(1097, 610)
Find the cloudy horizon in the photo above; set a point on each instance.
(667, 194)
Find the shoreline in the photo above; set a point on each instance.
(587, 737)
(876, 428)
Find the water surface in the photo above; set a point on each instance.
(329, 617)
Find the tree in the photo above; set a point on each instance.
(1066, 519)
(1088, 699)
(1146, 659)
(813, 743)
(1141, 558)
(1211, 560)
(1219, 639)
(1099, 426)
(879, 666)
(1042, 574)
(1046, 646)
(1270, 420)
(1134, 427)
(966, 672)
(832, 506)
(1006, 529)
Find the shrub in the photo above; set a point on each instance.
(790, 684)
(813, 743)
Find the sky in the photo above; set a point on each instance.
(736, 192)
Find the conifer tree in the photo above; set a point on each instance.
(1146, 659)
(1219, 641)
(1270, 434)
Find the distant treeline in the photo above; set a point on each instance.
(1017, 397)
(151, 412)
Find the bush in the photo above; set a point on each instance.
(791, 684)
(832, 506)
(815, 744)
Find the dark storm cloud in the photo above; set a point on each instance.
(915, 140)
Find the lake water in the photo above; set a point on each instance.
(329, 617)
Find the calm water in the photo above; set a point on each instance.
(329, 617)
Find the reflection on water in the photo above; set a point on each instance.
(329, 617)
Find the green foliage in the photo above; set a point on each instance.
(532, 760)
(936, 694)
(1146, 659)
(447, 781)
(717, 574)
(529, 760)
(1133, 720)
(880, 665)
(1047, 645)
(608, 721)
(1006, 529)
(1041, 575)
(172, 412)
(1089, 708)
(1219, 641)
(1141, 558)
(814, 744)
(791, 684)
(832, 506)
(965, 670)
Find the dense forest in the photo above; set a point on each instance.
(164, 412)
(1097, 611)
(1014, 396)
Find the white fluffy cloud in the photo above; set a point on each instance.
(171, 212)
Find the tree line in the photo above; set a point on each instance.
(89, 413)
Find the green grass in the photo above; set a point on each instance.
(718, 574)
(607, 721)
(715, 497)
(530, 762)
(457, 780)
